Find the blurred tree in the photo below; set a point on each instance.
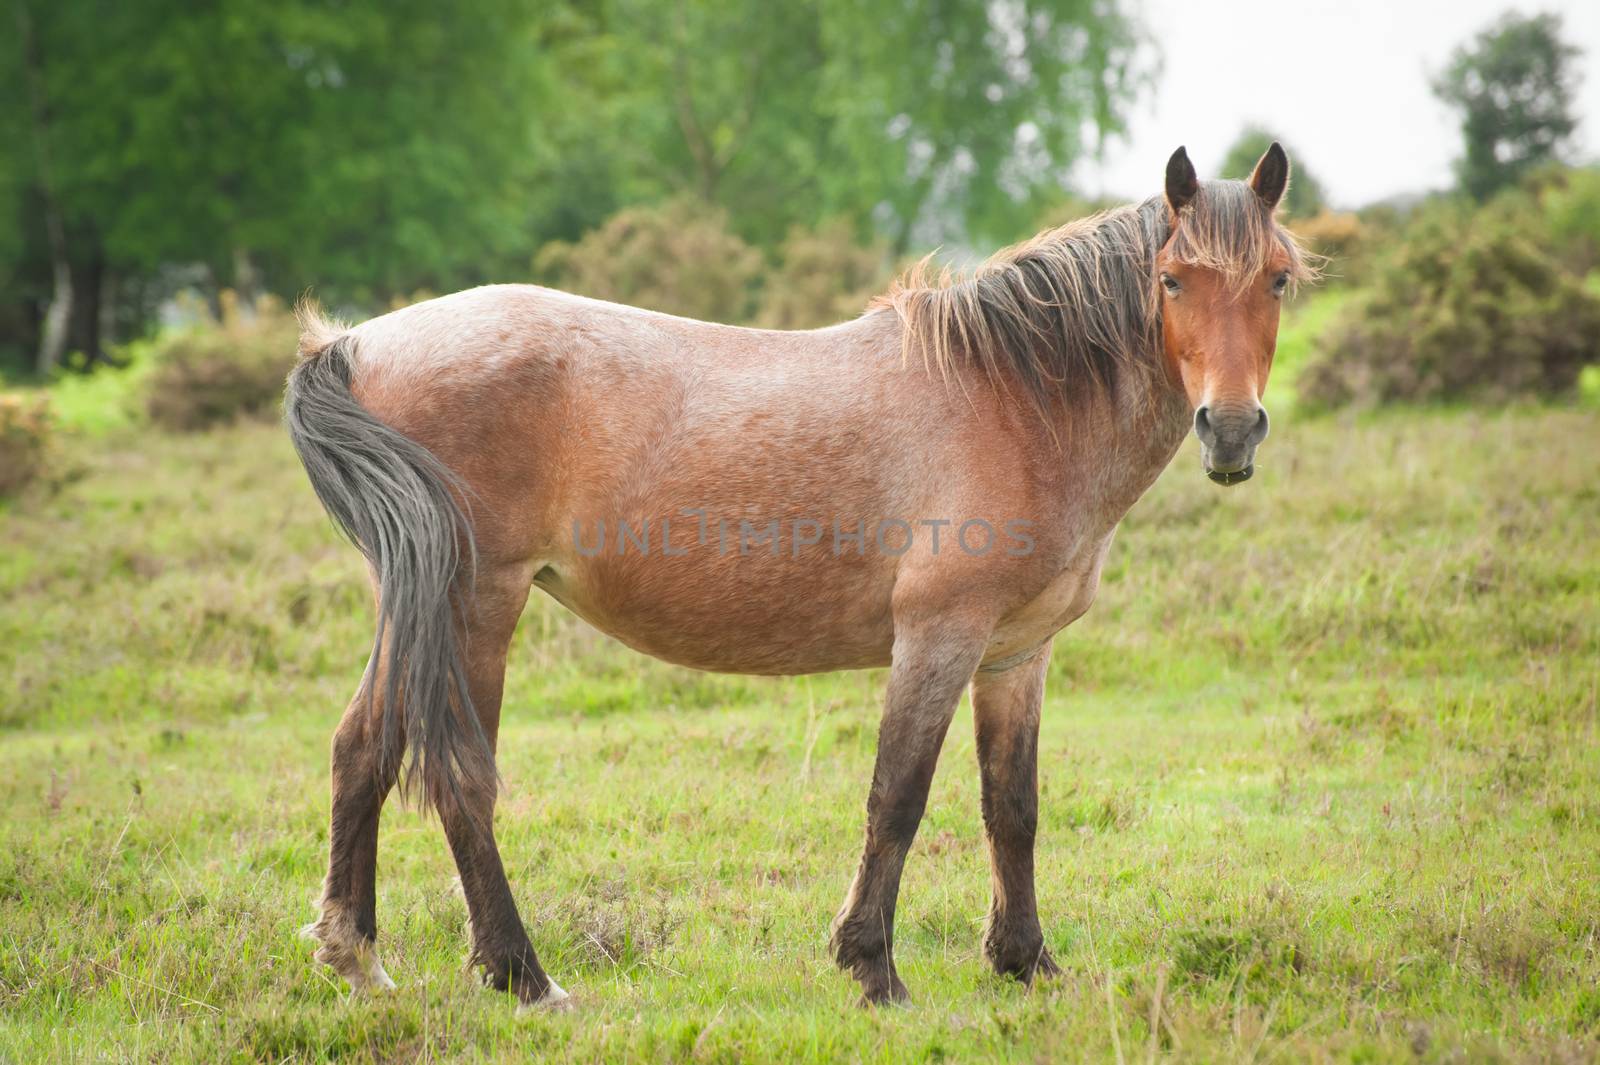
(366, 149)
(376, 147)
(925, 118)
(962, 119)
(30, 71)
(1514, 86)
(1304, 198)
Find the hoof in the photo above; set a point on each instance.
(355, 959)
(890, 993)
(554, 1000)
(1025, 965)
(375, 981)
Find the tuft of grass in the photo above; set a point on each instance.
(1320, 780)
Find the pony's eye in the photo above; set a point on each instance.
(1280, 283)
(1170, 283)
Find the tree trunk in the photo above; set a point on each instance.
(246, 284)
(88, 291)
(53, 336)
(108, 316)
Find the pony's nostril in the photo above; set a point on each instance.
(1259, 433)
(1202, 426)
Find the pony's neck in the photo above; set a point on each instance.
(1137, 429)
(1131, 431)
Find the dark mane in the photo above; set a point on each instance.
(1075, 309)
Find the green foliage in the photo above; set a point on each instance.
(1569, 199)
(1325, 749)
(1304, 197)
(369, 149)
(1514, 86)
(938, 107)
(25, 429)
(678, 258)
(219, 372)
(361, 149)
(1469, 304)
(113, 397)
(943, 119)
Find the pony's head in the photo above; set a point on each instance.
(1222, 275)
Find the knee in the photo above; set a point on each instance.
(900, 820)
(1011, 820)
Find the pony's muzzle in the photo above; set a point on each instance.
(1228, 440)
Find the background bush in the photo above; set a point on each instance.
(1465, 305)
(223, 370)
(679, 257)
(1569, 201)
(825, 277)
(24, 440)
(1340, 236)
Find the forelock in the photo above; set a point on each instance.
(1228, 229)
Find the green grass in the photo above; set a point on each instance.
(1320, 772)
(108, 400)
(1305, 319)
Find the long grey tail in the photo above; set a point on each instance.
(404, 509)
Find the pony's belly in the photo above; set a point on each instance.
(738, 653)
(722, 625)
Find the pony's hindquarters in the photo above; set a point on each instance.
(434, 681)
(403, 508)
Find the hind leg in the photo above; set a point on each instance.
(500, 946)
(346, 930)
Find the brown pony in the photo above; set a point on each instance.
(931, 487)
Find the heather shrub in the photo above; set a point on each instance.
(678, 257)
(1466, 304)
(223, 370)
(824, 277)
(24, 440)
(1338, 236)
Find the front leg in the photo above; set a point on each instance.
(1005, 712)
(933, 661)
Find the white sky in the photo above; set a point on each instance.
(1343, 82)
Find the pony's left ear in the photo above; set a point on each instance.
(1271, 175)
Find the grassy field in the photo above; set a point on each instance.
(1321, 779)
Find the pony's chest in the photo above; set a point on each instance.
(1064, 599)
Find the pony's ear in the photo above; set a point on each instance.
(1271, 175)
(1182, 183)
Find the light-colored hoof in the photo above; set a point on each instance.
(374, 981)
(554, 1000)
(357, 962)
